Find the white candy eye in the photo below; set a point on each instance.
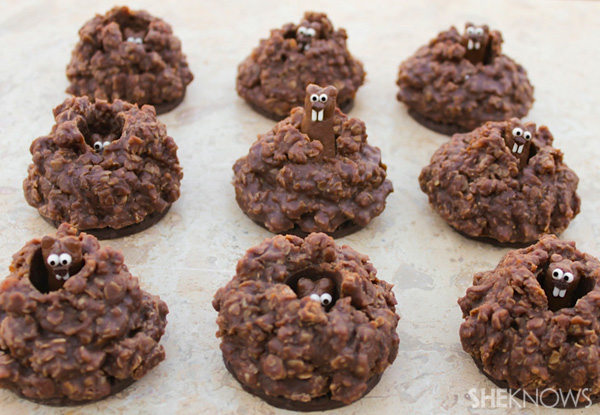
(139, 40)
(517, 132)
(311, 32)
(527, 135)
(131, 39)
(315, 297)
(568, 277)
(98, 146)
(479, 31)
(314, 97)
(65, 259)
(302, 30)
(106, 143)
(52, 260)
(326, 299)
(323, 97)
(471, 30)
(557, 274)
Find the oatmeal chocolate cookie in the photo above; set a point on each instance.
(108, 169)
(457, 82)
(305, 324)
(131, 56)
(503, 181)
(274, 77)
(313, 172)
(84, 339)
(532, 324)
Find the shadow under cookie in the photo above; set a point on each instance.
(110, 233)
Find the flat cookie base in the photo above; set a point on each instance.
(548, 401)
(110, 233)
(345, 229)
(322, 403)
(345, 107)
(165, 107)
(438, 127)
(116, 387)
(495, 242)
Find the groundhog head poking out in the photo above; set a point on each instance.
(317, 123)
(62, 258)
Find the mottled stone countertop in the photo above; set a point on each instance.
(194, 250)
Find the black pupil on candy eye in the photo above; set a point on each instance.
(314, 98)
(323, 99)
(555, 273)
(64, 262)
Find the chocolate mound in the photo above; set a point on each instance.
(274, 77)
(131, 56)
(473, 181)
(448, 93)
(84, 341)
(103, 166)
(514, 336)
(302, 351)
(284, 182)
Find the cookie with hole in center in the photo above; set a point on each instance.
(305, 324)
(76, 326)
(458, 81)
(532, 324)
(503, 183)
(108, 169)
(132, 56)
(273, 78)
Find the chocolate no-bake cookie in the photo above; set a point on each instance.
(75, 326)
(457, 82)
(131, 56)
(108, 169)
(313, 172)
(274, 77)
(533, 323)
(305, 324)
(503, 181)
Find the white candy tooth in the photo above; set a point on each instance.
(555, 292)
(515, 146)
(562, 293)
(321, 115)
(520, 150)
(470, 44)
(477, 45)
(314, 115)
(306, 47)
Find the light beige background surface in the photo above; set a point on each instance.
(193, 251)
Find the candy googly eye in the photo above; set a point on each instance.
(479, 31)
(470, 30)
(568, 277)
(326, 299)
(311, 32)
(302, 30)
(557, 274)
(139, 40)
(314, 97)
(98, 146)
(315, 297)
(527, 135)
(517, 132)
(105, 144)
(131, 39)
(323, 97)
(65, 259)
(52, 260)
